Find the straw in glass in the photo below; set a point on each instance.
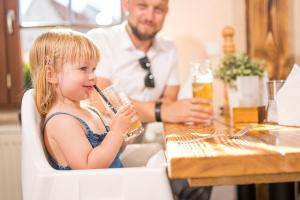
(105, 99)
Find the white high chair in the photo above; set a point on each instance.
(41, 181)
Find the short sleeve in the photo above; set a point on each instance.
(104, 67)
(173, 78)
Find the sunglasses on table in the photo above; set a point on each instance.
(149, 78)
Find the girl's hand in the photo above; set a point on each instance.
(125, 117)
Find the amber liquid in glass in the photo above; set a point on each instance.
(203, 90)
(135, 129)
(135, 126)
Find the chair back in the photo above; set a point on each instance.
(33, 152)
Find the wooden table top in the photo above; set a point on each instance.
(267, 150)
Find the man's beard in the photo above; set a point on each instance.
(139, 35)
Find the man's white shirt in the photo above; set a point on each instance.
(119, 63)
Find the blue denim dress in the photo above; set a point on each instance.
(94, 139)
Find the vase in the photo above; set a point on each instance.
(252, 90)
(249, 91)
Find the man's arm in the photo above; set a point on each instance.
(172, 110)
(145, 109)
(186, 110)
(170, 93)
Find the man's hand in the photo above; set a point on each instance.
(195, 110)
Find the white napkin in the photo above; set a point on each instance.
(288, 98)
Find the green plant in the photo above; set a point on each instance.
(233, 66)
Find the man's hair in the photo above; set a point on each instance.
(56, 48)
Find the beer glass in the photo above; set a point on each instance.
(117, 99)
(202, 79)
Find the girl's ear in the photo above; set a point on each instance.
(51, 75)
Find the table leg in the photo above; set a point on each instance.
(284, 191)
(296, 190)
(262, 191)
(246, 192)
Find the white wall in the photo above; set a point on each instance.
(196, 28)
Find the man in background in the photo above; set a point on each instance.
(144, 66)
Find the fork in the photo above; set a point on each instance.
(237, 134)
(217, 133)
(241, 132)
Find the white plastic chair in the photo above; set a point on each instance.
(41, 181)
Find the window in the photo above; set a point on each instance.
(78, 13)
(37, 16)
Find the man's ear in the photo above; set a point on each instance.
(51, 75)
(124, 5)
(167, 9)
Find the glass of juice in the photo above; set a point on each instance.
(117, 99)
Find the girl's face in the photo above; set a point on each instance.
(76, 81)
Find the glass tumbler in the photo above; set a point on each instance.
(117, 99)
(273, 87)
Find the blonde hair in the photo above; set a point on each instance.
(56, 48)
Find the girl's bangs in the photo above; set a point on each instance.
(80, 49)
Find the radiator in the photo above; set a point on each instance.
(10, 166)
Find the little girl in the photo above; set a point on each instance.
(62, 65)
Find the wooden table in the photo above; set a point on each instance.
(268, 153)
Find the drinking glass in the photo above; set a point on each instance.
(202, 79)
(273, 87)
(117, 99)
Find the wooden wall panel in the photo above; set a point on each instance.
(3, 66)
(14, 58)
(269, 34)
(10, 58)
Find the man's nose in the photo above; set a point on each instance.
(149, 15)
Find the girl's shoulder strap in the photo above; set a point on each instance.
(94, 110)
(64, 113)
